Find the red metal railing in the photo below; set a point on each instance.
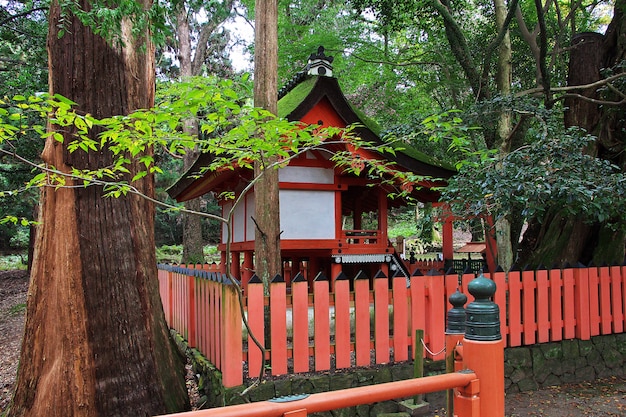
(468, 400)
(536, 307)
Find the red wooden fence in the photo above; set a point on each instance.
(314, 329)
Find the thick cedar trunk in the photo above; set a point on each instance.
(558, 239)
(267, 213)
(96, 342)
(192, 225)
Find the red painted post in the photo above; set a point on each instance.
(606, 316)
(232, 370)
(515, 309)
(278, 327)
(256, 325)
(362, 319)
(529, 286)
(447, 238)
(321, 307)
(455, 330)
(381, 317)
(170, 298)
(569, 315)
(499, 277)
(594, 301)
(617, 302)
(418, 301)
(436, 325)
(300, 323)
(543, 304)
(400, 318)
(483, 347)
(556, 305)
(467, 402)
(581, 302)
(342, 322)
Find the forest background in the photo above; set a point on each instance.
(484, 85)
(525, 98)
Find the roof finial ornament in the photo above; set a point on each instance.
(320, 64)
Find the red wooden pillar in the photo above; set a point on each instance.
(447, 238)
(247, 269)
(223, 261)
(235, 265)
(483, 347)
(382, 217)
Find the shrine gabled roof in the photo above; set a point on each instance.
(310, 90)
(297, 99)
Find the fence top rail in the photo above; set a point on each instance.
(332, 400)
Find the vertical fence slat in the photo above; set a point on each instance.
(400, 319)
(214, 307)
(606, 316)
(342, 323)
(499, 298)
(300, 325)
(256, 316)
(528, 307)
(278, 327)
(616, 299)
(362, 321)
(594, 301)
(515, 308)
(436, 325)
(200, 316)
(581, 301)
(321, 307)
(569, 301)
(418, 301)
(623, 281)
(232, 370)
(381, 318)
(556, 305)
(543, 304)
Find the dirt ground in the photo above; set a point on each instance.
(601, 398)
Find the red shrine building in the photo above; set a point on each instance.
(331, 221)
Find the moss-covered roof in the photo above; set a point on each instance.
(288, 103)
(305, 91)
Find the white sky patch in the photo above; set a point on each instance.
(242, 35)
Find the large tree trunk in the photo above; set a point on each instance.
(193, 246)
(571, 240)
(504, 129)
(96, 342)
(267, 212)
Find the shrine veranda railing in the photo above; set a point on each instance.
(363, 322)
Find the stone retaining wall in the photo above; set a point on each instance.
(532, 367)
(526, 368)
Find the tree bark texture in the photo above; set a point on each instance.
(567, 239)
(267, 209)
(193, 246)
(96, 342)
